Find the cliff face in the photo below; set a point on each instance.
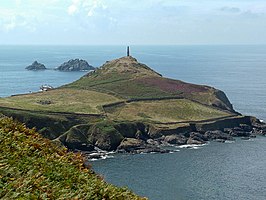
(222, 101)
(125, 103)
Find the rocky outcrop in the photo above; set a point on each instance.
(218, 135)
(130, 144)
(35, 66)
(176, 139)
(75, 65)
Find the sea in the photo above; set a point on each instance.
(214, 171)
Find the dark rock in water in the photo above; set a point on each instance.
(151, 150)
(239, 132)
(257, 131)
(176, 139)
(75, 65)
(245, 138)
(218, 135)
(219, 140)
(36, 66)
(136, 146)
(259, 128)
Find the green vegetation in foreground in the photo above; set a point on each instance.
(177, 110)
(32, 167)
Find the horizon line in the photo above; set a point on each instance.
(236, 44)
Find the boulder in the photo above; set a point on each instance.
(153, 142)
(198, 136)
(35, 66)
(75, 65)
(176, 139)
(131, 144)
(136, 146)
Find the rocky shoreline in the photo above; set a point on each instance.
(185, 139)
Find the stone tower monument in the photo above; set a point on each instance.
(128, 53)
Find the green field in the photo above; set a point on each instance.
(177, 110)
(61, 100)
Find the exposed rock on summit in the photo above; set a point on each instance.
(75, 65)
(36, 66)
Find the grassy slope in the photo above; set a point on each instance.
(33, 168)
(126, 78)
(164, 111)
(62, 100)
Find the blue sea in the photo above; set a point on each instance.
(215, 171)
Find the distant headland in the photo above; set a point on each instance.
(125, 106)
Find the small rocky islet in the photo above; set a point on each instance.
(35, 66)
(126, 107)
(75, 65)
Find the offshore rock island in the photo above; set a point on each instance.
(127, 107)
(75, 65)
(35, 66)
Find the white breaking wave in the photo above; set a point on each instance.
(191, 146)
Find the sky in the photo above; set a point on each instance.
(132, 22)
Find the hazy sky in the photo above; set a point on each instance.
(93, 22)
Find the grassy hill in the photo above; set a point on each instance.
(32, 167)
(122, 80)
(121, 90)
